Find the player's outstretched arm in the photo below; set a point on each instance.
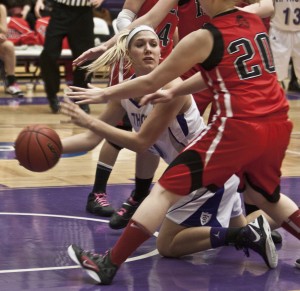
(93, 53)
(152, 18)
(156, 122)
(88, 140)
(265, 8)
(91, 95)
(189, 86)
(174, 66)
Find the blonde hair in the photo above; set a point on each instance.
(112, 56)
(119, 52)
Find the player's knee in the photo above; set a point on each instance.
(118, 148)
(165, 249)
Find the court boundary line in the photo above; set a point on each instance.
(132, 259)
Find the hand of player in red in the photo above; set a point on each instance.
(91, 95)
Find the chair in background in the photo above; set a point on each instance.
(101, 30)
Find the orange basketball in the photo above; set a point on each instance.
(38, 148)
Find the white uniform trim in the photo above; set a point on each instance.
(205, 208)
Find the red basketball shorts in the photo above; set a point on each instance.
(251, 149)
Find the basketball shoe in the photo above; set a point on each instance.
(54, 104)
(256, 235)
(99, 267)
(98, 204)
(120, 218)
(14, 90)
(276, 237)
(297, 264)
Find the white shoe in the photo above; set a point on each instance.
(15, 90)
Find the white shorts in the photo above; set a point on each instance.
(285, 45)
(205, 208)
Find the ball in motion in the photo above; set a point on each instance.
(38, 148)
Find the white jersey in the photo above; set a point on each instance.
(200, 207)
(287, 15)
(179, 134)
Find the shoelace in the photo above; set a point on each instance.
(130, 202)
(122, 211)
(101, 199)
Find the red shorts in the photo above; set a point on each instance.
(203, 99)
(251, 149)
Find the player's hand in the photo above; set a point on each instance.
(96, 3)
(91, 95)
(90, 55)
(78, 116)
(160, 96)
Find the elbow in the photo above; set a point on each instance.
(270, 11)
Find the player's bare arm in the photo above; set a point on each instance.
(189, 86)
(88, 140)
(264, 8)
(152, 18)
(175, 65)
(151, 129)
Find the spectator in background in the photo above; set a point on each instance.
(285, 40)
(7, 56)
(74, 20)
(21, 8)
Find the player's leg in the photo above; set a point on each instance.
(252, 211)
(97, 202)
(97, 199)
(255, 214)
(284, 212)
(103, 268)
(175, 240)
(293, 84)
(7, 55)
(146, 165)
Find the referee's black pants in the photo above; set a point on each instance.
(75, 23)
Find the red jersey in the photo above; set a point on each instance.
(240, 70)
(191, 17)
(165, 29)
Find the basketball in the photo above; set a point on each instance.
(38, 148)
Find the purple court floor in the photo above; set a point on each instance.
(38, 224)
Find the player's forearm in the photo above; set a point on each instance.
(133, 88)
(263, 9)
(122, 138)
(189, 86)
(80, 142)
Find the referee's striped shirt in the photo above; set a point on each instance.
(75, 2)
